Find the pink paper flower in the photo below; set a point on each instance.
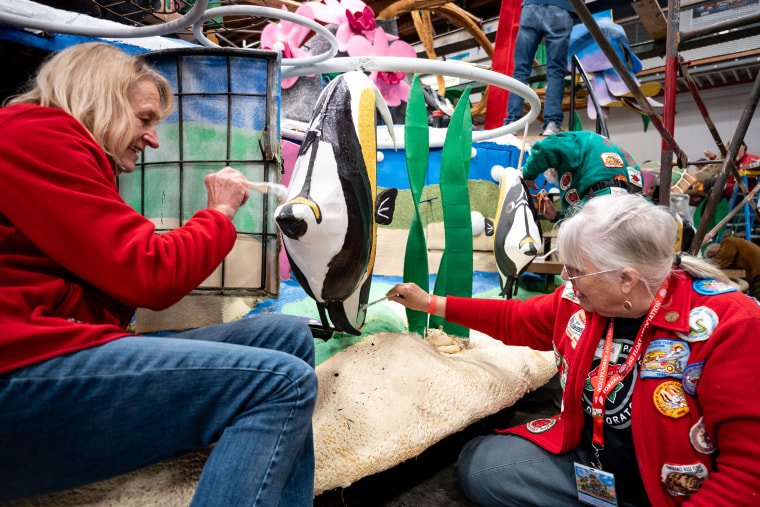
(361, 21)
(290, 35)
(353, 17)
(391, 84)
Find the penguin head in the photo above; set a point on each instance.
(296, 216)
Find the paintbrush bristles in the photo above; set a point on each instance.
(269, 188)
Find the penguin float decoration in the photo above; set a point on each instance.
(329, 220)
(517, 238)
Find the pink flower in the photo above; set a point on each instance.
(363, 21)
(290, 35)
(353, 17)
(391, 84)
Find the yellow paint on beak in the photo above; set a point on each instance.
(307, 202)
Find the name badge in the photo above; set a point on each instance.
(595, 487)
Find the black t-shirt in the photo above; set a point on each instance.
(618, 456)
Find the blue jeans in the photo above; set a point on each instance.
(249, 386)
(553, 24)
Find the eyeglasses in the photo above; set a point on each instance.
(571, 278)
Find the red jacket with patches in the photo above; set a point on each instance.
(726, 395)
(75, 259)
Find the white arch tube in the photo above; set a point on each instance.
(117, 31)
(254, 10)
(423, 66)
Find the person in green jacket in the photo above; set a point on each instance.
(587, 164)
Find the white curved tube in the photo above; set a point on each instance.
(117, 31)
(423, 66)
(254, 10)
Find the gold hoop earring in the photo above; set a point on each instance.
(627, 305)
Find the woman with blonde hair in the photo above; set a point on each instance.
(81, 399)
(659, 405)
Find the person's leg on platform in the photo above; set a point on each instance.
(508, 470)
(558, 25)
(136, 401)
(528, 38)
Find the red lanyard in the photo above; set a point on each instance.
(604, 386)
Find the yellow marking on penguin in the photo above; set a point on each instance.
(679, 236)
(526, 241)
(366, 129)
(307, 202)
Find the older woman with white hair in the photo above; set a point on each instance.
(652, 350)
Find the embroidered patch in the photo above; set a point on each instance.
(566, 180)
(575, 327)
(569, 293)
(610, 159)
(665, 358)
(635, 177)
(617, 191)
(691, 376)
(572, 197)
(671, 317)
(712, 287)
(699, 438)
(702, 323)
(670, 399)
(682, 480)
(541, 425)
(563, 373)
(557, 356)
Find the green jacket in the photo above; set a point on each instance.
(584, 161)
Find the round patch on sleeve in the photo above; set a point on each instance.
(566, 180)
(691, 376)
(541, 425)
(670, 400)
(702, 324)
(712, 287)
(572, 197)
(699, 438)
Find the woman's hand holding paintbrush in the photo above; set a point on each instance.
(228, 190)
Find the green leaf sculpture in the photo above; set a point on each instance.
(455, 271)
(416, 142)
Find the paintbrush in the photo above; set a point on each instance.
(266, 187)
(364, 307)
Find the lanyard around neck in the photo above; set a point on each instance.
(603, 386)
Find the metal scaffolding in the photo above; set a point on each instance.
(674, 64)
